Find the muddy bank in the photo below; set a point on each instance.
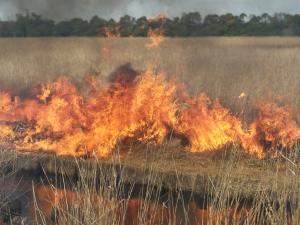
(173, 171)
(34, 202)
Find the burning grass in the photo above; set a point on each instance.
(141, 107)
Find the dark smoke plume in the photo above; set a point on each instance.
(66, 9)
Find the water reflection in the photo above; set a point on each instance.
(49, 205)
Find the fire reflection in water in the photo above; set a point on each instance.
(55, 205)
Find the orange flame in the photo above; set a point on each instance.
(156, 36)
(275, 127)
(208, 126)
(62, 120)
(143, 107)
(242, 95)
(112, 31)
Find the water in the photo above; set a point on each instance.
(49, 203)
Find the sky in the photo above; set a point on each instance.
(66, 9)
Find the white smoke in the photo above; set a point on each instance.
(146, 8)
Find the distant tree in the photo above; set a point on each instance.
(63, 29)
(112, 28)
(126, 25)
(141, 27)
(74, 27)
(230, 24)
(294, 23)
(189, 24)
(33, 25)
(170, 27)
(96, 25)
(254, 27)
(266, 18)
(212, 26)
(242, 18)
(279, 23)
(242, 24)
(7, 29)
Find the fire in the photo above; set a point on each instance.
(5, 131)
(106, 51)
(112, 31)
(275, 127)
(242, 95)
(156, 35)
(62, 120)
(208, 125)
(137, 107)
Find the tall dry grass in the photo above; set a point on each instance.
(8, 189)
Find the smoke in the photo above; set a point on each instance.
(66, 9)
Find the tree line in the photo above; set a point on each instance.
(188, 25)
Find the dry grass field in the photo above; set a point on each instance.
(222, 67)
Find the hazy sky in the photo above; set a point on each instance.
(64, 9)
